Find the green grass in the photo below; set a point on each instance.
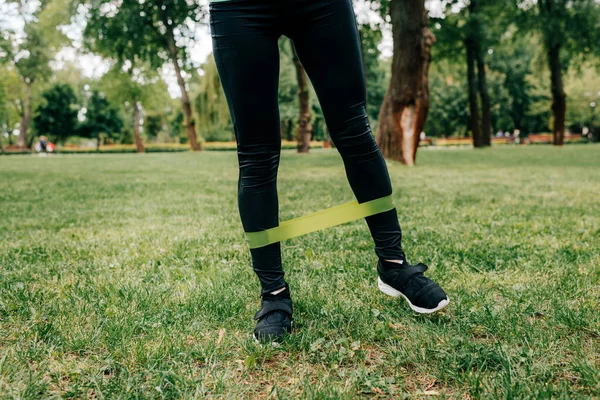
(127, 276)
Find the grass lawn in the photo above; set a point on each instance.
(128, 276)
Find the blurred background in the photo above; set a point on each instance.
(124, 76)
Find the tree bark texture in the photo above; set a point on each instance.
(304, 131)
(474, 121)
(185, 100)
(559, 99)
(486, 108)
(406, 102)
(139, 145)
(26, 119)
(553, 39)
(283, 129)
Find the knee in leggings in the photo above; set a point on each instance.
(258, 168)
(353, 138)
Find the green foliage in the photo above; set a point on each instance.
(34, 64)
(583, 87)
(570, 25)
(288, 90)
(142, 37)
(141, 83)
(11, 87)
(153, 125)
(127, 276)
(125, 32)
(3, 104)
(135, 31)
(57, 116)
(377, 72)
(448, 111)
(101, 118)
(212, 112)
(513, 58)
(177, 128)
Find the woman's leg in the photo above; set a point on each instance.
(327, 42)
(244, 37)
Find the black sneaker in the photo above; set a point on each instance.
(274, 318)
(423, 295)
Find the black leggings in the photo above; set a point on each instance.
(245, 37)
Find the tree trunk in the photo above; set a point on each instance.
(9, 131)
(486, 109)
(26, 119)
(289, 129)
(472, 85)
(283, 129)
(559, 101)
(553, 39)
(185, 100)
(304, 132)
(406, 102)
(139, 145)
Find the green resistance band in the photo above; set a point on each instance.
(320, 220)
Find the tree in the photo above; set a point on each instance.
(135, 88)
(175, 124)
(304, 131)
(211, 105)
(478, 41)
(569, 29)
(377, 71)
(100, 119)
(57, 116)
(31, 55)
(31, 59)
(153, 125)
(469, 27)
(288, 91)
(449, 110)
(10, 101)
(550, 11)
(147, 31)
(474, 119)
(404, 110)
(584, 97)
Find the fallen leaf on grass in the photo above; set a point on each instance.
(221, 335)
(377, 390)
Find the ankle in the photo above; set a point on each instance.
(389, 265)
(276, 292)
(396, 261)
(281, 293)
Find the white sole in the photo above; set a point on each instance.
(390, 291)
